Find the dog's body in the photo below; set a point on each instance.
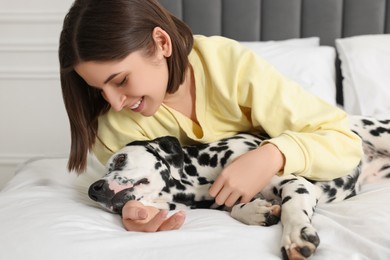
(163, 174)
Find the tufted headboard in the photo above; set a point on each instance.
(262, 20)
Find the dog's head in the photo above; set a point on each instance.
(139, 171)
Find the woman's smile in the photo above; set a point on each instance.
(137, 107)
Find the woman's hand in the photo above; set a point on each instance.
(247, 175)
(138, 217)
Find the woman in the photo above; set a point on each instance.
(132, 71)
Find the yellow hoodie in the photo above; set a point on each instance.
(237, 91)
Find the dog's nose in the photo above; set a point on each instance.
(99, 191)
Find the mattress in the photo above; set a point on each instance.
(45, 213)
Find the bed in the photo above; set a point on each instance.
(339, 50)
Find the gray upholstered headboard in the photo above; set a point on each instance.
(254, 20)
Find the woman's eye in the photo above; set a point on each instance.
(123, 82)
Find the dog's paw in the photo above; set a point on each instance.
(299, 241)
(257, 212)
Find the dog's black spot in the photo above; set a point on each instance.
(251, 145)
(203, 181)
(205, 204)
(379, 131)
(204, 159)
(172, 206)
(219, 148)
(367, 122)
(187, 159)
(192, 151)
(330, 200)
(302, 190)
(353, 193)
(166, 176)
(144, 181)
(191, 170)
(188, 199)
(385, 167)
(223, 142)
(179, 185)
(214, 161)
(186, 182)
(385, 122)
(339, 182)
(275, 191)
(285, 199)
(157, 165)
(332, 192)
(280, 192)
(351, 181)
(284, 254)
(226, 157)
(183, 198)
(166, 189)
(288, 181)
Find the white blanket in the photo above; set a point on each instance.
(45, 213)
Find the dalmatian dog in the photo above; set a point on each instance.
(163, 174)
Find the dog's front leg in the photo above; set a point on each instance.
(257, 212)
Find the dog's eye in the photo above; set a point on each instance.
(120, 161)
(121, 158)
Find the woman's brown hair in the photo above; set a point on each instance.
(106, 30)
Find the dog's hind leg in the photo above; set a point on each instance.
(299, 198)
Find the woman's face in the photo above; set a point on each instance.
(137, 82)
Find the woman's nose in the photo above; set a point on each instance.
(115, 99)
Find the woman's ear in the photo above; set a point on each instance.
(163, 41)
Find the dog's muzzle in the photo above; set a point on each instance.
(100, 192)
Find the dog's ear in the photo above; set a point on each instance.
(172, 148)
(168, 149)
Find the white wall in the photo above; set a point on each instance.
(33, 118)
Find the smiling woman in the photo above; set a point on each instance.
(83, 42)
(151, 78)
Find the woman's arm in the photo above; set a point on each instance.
(247, 175)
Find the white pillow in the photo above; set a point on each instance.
(299, 42)
(304, 61)
(365, 66)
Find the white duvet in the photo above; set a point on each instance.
(45, 213)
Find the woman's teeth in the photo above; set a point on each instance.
(136, 105)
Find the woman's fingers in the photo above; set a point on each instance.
(216, 187)
(141, 218)
(150, 226)
(232, 199)
(174, 222)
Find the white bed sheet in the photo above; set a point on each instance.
(45, 213)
